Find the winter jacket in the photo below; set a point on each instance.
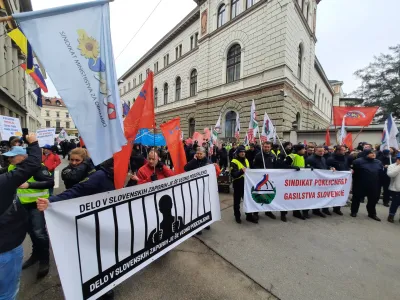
(13, 217)
(196, 163)
(51, 161)
(269, 159)
(97, 182)
(339, 162)
(250, 155)
(73, 175)
(137, 161)
(161, 170)
(231, 153)
(367, 172)
(393, 172)
(316, 162)
(223, 154)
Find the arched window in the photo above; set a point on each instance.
(300, 62)
(48, 101)
(221, 16)
(235, 8)
(230, 124)
(315, 95)
(233, 64)
(155, 97)
(192, 126)
(178, 89)
(193, 83)
(296, 125)
(165, 93)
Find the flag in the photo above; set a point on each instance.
(197, 136)
(355, 116)
(342, 131)
(74, 44)
(172, 134)
(132, 123)
(327, 137)
(246, 140)
(36, 76)
(38, 93)
(125, 109)
(81, 142)
(22, 42)
(62, 135)
(389, 134)
(237, 128)
(207, 134)
(348, 141)
(217, 130)
(253, 124)
(268, 129)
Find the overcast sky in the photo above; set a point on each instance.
(349, 32)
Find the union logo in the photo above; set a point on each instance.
(355, 114)
(263, 192)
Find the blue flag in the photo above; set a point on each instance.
(38, 93)
(125, 108)
(80, 63)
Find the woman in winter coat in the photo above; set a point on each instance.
(80, 166)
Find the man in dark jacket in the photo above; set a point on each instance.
(232, 151)
(288, 149)
(223, 157)
(339, 161)
(266, 160)
(317, 161)
(367, 172)
(251, 154)
(14, 220)
(385, 179)
(28, 192)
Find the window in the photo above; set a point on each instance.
(58, 124)
(178, 84)
(299, 62)
(235, 8)
(180, 50)
(129, 86)
(47, 124)
(191, 42)
(176, 53)
(134, 82)
(296, 125)
(66, 124)
(67, 115)
(302, 5)
(140, 78)
(315, 94)
(221, 16)
(147, 72)
(155, 97)
(233, 64)
(156, 67)
(192, 126)
(166, 60)
(196, 39)
(165, 93)
(249, 3)
(230, 124)
(308, 11)
(319, 98)
(47, 113)
(58, 114)
(48, 102)
(124, 89)
(193, 83)
(58, 102)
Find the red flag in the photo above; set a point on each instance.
(81, 142)
(355, 116)
(327, 137)
(197, 136)
(139, 116)
(207, 134)
(348, 141)
(172, 133)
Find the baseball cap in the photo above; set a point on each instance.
(47, 146)
(16, 150)
(241, 148)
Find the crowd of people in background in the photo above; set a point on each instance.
(28, 173)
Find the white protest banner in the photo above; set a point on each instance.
(9, 127)
(101, 240)
(46, 136)
(284, 190)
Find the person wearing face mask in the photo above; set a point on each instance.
(80, 166)
(367, 172)
(338, 162)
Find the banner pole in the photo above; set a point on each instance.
(284, 151)
(358, 134)
(262, 153)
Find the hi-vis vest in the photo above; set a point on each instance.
(276, 154)
(297, 160)
(30, 195)
(240, 166)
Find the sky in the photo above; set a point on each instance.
(349, 32)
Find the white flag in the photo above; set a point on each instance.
(342, 132)
(217, 129)
(80, 62)
(253, 124)
(237, 128)
(268, 129)
(390, 132)
(62, 135)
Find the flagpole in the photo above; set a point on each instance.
(280, 143)
(262, 153)
(358, 134)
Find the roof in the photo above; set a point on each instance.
(335, 82)
(53, 101)
(321, 72)
(182, 25)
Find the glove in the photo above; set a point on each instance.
(153, 177)
(160, 165)
(297, 168)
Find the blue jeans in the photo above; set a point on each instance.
(10, 272)
(395, 203)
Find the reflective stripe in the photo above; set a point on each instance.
(240, 166)
(32, 195)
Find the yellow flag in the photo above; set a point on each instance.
(20, 39)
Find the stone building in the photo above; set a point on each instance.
(55, 115)
(16, 97)
(225, 53)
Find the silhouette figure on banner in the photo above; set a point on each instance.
(168, 226)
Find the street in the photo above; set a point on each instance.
(334, 258)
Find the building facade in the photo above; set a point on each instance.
(226, 53)
(55, 115)
(16, 97)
